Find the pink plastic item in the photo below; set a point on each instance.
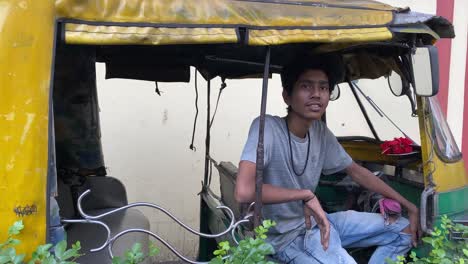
(389, 207)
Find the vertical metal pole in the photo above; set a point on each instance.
(206, 245)
(260, 147)
(207, 138)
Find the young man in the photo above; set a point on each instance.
(298, 149)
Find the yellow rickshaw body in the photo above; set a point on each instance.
(27, 37)
(26, 56)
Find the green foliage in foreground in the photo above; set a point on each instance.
(249, 250)
(443, 249)
(44, 254)
(135, 255)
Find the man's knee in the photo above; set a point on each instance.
(407, 230)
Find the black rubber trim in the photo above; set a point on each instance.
(434, 57)
(247, 37)
(358, 138)
(61, 28)
(239, 37)
(173, 25)
(51, 127)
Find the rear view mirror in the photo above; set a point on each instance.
(426, 71)
(335, 94)
(396, 84)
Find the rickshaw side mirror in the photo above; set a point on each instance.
(397, 84)
(335, 94)
(426, 71)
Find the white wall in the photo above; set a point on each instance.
(146, 142)
(423, 6)
(146, 138)
(455, 102)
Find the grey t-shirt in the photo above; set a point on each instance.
(326, 157)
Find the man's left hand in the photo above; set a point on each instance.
(415, 228)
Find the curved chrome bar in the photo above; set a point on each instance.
(111, 242)
(240, 222)
(250, 208)
(86, 216)
(234, 229)
(88, 221)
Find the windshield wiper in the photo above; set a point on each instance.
(378, 110)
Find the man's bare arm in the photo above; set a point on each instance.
(368, 180)
(245, 193)
(245, 188)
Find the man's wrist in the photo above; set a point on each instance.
(411, 208)
(308, 195)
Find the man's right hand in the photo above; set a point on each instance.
(314, 209)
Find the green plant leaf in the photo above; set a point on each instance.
(117, 260)
(16, 228)
(18, 259)
(60, 249)
(43, 249)
(249, 250)
(70, 254)
(445, 261)
(439, 252)
(216, 261)
(49, 260)
(153, 250)
(427, 240)
(14, 242)
(4, 259)
(136, 248)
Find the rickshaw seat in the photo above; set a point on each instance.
(107, 193)
(227, 178)
(93, 236)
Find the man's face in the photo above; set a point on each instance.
(310, 95)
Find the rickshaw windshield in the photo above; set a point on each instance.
(345, 118)
(444, 143)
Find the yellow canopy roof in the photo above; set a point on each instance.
(252, 22)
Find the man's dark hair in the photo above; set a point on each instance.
(331, 65)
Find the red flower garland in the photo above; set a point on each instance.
(400, 145)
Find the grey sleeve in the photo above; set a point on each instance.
(336, 158)
(250, 149)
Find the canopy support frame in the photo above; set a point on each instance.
(260, 147)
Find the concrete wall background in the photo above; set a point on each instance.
(146, 142)
(146, 137)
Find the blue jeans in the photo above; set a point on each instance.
(349, 229)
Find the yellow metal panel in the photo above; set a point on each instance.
(276, 37)
(449, 176)
(446, 176)
(210, 13)
(371, 152)
(109, 35)
(26, 41)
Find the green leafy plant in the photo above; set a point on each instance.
(249, 251)
(42, 255)
(7, 249)
(443, 249)
(135, 255)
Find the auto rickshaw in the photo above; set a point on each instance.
(52, 172)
